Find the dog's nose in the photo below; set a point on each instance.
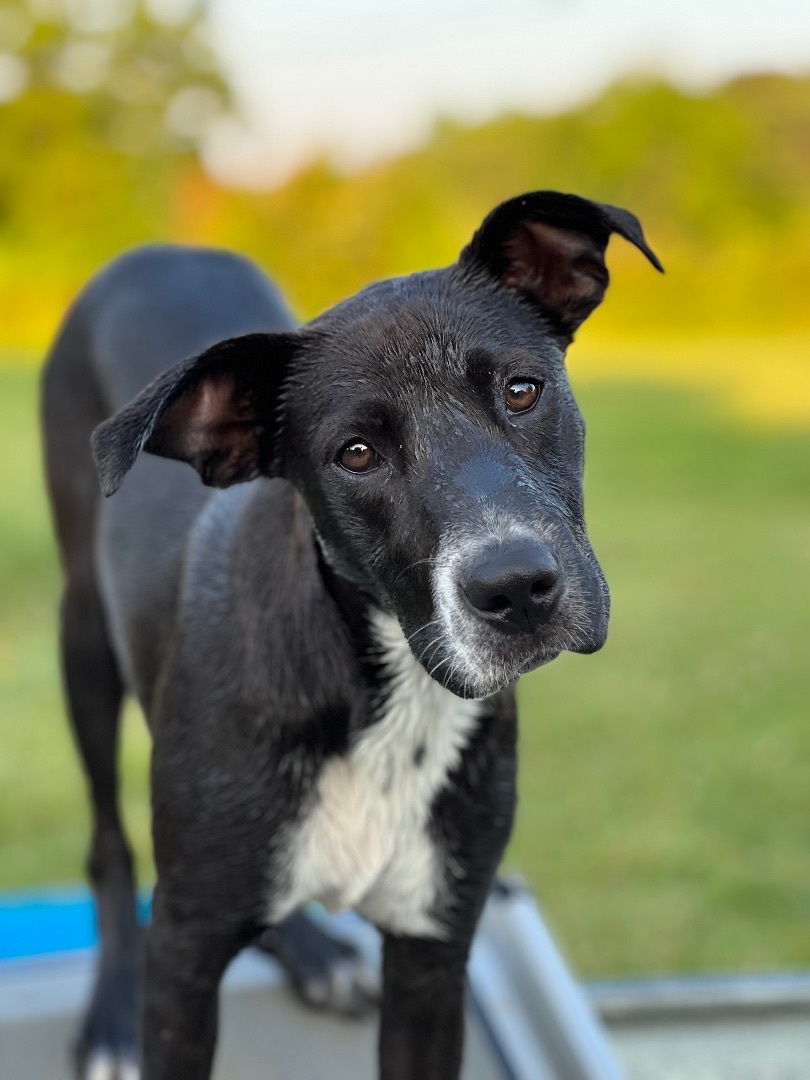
(514, 584)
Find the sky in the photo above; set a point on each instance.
(358, 80)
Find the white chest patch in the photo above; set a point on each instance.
(363, 840)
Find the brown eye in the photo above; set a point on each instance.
(358, 456)
(521, 395)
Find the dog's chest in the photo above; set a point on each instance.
(363, 841)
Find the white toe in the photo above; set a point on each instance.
(104, 1065)
(100, 1066)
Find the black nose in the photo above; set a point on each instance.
(514, 584)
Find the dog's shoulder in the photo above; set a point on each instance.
(255, 617)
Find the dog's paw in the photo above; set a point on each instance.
(348, 986)
(103, 1063)
(106, 1045)
(324, 971)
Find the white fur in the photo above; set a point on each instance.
(104, 1065)
(364, 843)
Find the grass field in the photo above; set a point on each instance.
(665, 802)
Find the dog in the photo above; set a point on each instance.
(326, 649)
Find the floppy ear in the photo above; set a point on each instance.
(217, 411)
(550, 248)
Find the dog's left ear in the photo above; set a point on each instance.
(550, 248)
(218, 411)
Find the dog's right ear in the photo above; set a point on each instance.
(218, 411)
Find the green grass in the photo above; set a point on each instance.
(664, 792)
(665, 809)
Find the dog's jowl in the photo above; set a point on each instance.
(326, 651)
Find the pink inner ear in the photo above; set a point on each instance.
(193, 422)
(214, 426)
(213, 401)
(564, 269)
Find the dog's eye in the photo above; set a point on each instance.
(522, 394)
(357, 456)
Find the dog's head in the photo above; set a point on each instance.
(430, 427)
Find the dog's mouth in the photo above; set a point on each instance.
(481, 672)
(476, 659)
(479, 687)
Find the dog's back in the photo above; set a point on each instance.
(145, 312)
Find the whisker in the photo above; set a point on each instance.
(418, 562)
(421, 628)
(436, 643)
(441, 663)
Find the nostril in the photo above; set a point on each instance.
(544, 583)
(499, 603)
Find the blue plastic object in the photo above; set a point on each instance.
(35, 923)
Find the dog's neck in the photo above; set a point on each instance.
(337, 564)
(359, 608)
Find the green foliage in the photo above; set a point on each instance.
(91, 150)
(664, 798)
(146, 85)
(720, 181)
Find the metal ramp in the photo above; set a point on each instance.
(537, 1017)
(527, 1018)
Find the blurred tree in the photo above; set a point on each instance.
(721, 182)
(103, 105)
(144, 72)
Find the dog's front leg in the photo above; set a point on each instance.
(184, 965)
(422, 1023)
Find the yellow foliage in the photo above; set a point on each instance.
(760, 379)
(721, 183)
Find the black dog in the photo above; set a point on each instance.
(326, 654)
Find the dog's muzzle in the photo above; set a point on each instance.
(507, 606)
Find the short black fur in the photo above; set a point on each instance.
(271, 631)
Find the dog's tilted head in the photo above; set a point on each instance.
(429, 425)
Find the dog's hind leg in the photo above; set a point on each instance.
(107, 1041)
(106, 1047)
(325, 971)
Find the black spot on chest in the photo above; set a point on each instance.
(419, 755)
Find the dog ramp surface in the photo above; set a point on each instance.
(526, 1020)
(265, 1034)
(739, 1028)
